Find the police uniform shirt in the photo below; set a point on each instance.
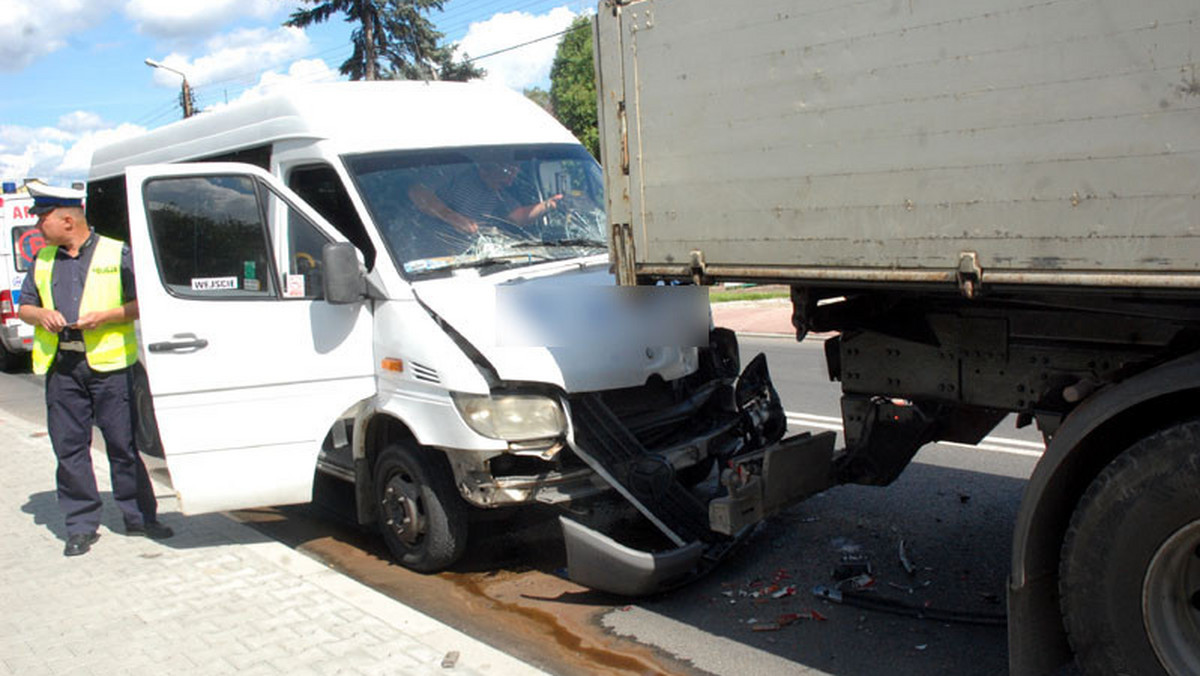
(68, 279)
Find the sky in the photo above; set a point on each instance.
(73, 73)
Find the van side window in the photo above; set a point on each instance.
(319, 185)
(209, 236)
(303, 269)
(107, 210)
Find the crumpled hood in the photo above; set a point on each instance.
(588, 349)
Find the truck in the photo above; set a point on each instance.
(316, 307)
(20, 241)
(993, 207)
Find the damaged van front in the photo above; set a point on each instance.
(407, 287)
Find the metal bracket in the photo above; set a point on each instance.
(699, 267)
(969, 274)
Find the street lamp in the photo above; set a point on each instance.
(185, 97)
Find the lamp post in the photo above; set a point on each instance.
(185, 96)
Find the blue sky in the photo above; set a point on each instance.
(73, 76)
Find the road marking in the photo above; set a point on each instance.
(1029, 449)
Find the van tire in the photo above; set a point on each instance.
(1129, 577)
(421, 516)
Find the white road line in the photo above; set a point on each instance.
(1022, 447)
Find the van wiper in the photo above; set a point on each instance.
(562, 242)
(497, 261)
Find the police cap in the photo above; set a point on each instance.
(47, 198)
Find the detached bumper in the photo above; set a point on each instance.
(599, 562)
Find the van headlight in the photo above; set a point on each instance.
(511, 417)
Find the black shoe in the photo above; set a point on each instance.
(153, 530)
(79, 543)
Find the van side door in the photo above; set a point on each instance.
(248, 367)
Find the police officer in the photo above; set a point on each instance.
(80, 298)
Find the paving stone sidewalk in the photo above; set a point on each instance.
(218, 598)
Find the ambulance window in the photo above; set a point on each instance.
(27, 240)
(209, 236)
(319, 185)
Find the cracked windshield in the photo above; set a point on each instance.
(485, 208)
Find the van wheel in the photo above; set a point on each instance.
(421, 516)
(1129, 579)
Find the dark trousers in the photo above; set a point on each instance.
(76, 399)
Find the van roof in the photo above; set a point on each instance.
(357, 116)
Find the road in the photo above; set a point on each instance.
(953, 509)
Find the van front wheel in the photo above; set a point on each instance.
(421, 517)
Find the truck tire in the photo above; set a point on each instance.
(1129, 579)
(421, 516)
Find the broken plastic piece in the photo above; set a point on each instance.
(908, 567)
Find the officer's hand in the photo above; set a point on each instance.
(52, 321)
(90, 321)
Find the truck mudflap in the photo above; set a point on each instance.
(762, 479)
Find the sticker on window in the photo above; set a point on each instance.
(214, 283)
(294, 287)
(253, 285)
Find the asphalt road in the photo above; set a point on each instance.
(952, 509)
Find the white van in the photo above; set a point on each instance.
(304, 308)
(20, 241)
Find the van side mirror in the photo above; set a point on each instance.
(345, 281)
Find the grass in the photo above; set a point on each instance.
(721, 295)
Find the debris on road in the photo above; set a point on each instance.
(908, 566)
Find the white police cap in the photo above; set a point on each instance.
(47, 198)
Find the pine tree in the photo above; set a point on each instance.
(395, 33)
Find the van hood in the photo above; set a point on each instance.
(550, 323)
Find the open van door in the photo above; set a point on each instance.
(248, 366)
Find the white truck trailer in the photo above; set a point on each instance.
(995, 205)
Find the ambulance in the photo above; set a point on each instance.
(19, 244)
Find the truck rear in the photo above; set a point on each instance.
(994, 207)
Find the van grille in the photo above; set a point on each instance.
(422, 372)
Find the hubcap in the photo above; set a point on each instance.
(402, 508)
(1171, 601)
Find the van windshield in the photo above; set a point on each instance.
(488, 208)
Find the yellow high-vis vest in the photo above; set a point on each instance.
(109, 347)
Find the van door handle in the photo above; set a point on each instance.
(190, 343)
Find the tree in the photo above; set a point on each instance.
(395, 32)
(539, 96)
(573, 84)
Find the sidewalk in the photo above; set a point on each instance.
(763, 317)
(218, 598)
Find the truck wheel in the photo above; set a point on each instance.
(421, 516)
(1129, 579)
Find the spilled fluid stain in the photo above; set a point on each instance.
(570, 630)
(530, 614)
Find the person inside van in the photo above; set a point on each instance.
(480, 193)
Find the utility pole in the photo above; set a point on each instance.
(186, 100)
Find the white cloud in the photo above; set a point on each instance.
(31, 29)
(520, 68)
(56, 155)
(78, 158)
(300, 72)
(196, 18)
(80, 121)
(236, 56)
